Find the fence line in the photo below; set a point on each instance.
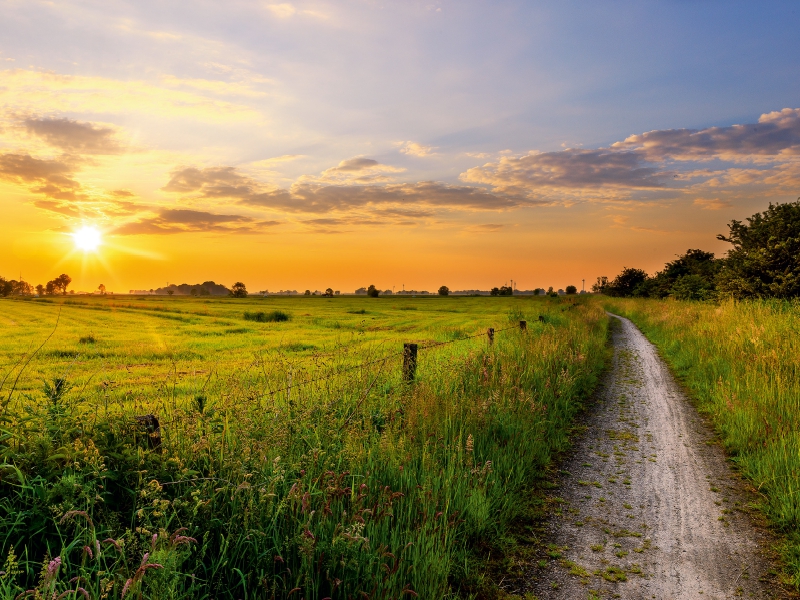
(489, 333)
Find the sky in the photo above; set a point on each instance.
(466, 143)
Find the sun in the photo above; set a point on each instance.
(87, 239)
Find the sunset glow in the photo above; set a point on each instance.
(310, 144)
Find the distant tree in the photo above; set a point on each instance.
(50, 288)
(337, 292)
(204, 292)
(599, 286)
(101, 288)
(6, 287)
(170, 292)
(571, 289)
(444, 291)
(238, 290)
(307, 293)
(764, 259)
(329, 292)
(494, 291)
(40, 289)
(538, 291)
(551, 292)
(61, 282)
(372, 291)
(194, 292)
(627, 283)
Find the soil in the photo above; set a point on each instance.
(648, 506)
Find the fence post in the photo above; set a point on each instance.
(409, 362)
(490, 335)
(523, 325)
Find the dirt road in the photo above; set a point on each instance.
(650, 507)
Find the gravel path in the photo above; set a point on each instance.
(649, 507)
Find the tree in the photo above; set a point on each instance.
(329, 292)
(40, 289)
(61, 282)
(627, 283)
(238, 290)
(170, 292)
(372, 291)
(692, 287)
(444, 291)
(599, 286)
(307, 293)
(571, 289)
(194, 292)
(551, 292)
(101, 288)
(6, 287)
(764, 259)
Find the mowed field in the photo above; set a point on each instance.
(292, 459)
(132, 347)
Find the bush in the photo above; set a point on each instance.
(571, 289)
(276, 316)
(444, 291)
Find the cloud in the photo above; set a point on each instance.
(712, 203)
(357, 170)
(484, 228)
(285, 10)
(44, 92)
(171, 221)
(327, 194)
(568, 169)
(74, 136)
(415, 149)
(776, 134)
(282, 11)
(51, 177)
(269, 162)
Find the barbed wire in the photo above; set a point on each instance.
(340, 372)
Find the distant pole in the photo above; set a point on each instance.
(583, 285)
(409, 362)
(490, 335)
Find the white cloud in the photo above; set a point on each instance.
(415, 149)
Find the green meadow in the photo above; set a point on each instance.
(292, 458)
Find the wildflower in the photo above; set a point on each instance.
(78, 513)
(52, 571)
(114, 543)
(470, 444)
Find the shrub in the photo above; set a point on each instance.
(276, 316)
(571, 289)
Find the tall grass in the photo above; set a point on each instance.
(742, 363)
(359, 485)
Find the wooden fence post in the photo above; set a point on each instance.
(523, 325)
(409, 362)
(490, 335)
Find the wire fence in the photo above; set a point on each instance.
(152, 424)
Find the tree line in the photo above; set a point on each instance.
(763, 262)
(12, 287)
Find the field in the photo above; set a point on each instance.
(292, 459)
(741, 362)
